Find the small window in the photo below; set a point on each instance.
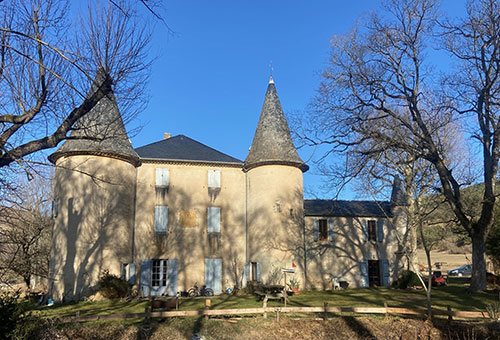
(372, 230)
(214, 179)
(162, 178)
(161, 219)
(323, 229)
(159, 273)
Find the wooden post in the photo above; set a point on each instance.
(264, 305)
(386, 310)
(450, 315)
(278, 314)
(148, 313)
(285, 291)
(208, 303)
(177, 303)
(325, 308)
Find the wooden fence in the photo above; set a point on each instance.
(323, 312)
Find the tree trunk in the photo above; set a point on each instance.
(478, 280)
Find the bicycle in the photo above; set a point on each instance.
(203, 291)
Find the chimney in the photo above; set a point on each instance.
(167, 135)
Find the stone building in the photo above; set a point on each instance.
(176, 212)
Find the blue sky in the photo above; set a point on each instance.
(211, 75)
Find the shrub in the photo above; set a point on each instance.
(112, 287)
(406, 279)
(15, 320)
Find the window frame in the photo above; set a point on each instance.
(322, 229)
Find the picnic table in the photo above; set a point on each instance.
(270, 292)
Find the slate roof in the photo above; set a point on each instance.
(338, 208)
(99, 132)
(183, 148)
(272, 143)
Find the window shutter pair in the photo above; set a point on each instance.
(161, 219)
(331, 230)
(162, 178)
(214, 179)
(213, 219)
(380, 230)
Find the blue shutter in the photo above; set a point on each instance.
(385, 272)
(315, 230)
(258, 266)
(217, 276)
(208, 273)
(214, 179)
(213, 220)
(363, 268)
(364, 229)
(162, 178)
(380, 230)
(131, 273)
(246, 272)
(331, 230)
(145, 278)
(161, 218)
(172, 277)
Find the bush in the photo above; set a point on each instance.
(15, 320)
(406, 279)
(112, 287)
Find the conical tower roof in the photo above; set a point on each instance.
(100, 132)
(272, 143)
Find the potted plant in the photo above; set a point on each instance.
(294, 285)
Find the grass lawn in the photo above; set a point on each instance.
(453, 295)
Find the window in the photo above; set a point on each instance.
(372, 230)
(162, 178)
(159, 273)
(213, 179)
(323, 229)
(213, 220)
(161, 219)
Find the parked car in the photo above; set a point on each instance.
(465, 270)
(438, 279)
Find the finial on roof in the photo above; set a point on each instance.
(271, 80)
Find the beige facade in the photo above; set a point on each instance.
(175, 213)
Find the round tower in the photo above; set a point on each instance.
(94, 191)
(275, 196)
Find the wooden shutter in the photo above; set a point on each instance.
(213, 274)
(214, 179)
(364, 229)
(315, 230)
(162, 178)
(246, 272)
(385, 272)
(380, 230)
(161, 218)
(213, 219)
(172, 277)
(331, 230)
(363, 268)
(131, 273)
(145, 278)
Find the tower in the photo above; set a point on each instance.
(274, 188)
(94, 191)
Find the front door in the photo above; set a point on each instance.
(374, 273)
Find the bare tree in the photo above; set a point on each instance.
(381, 93)
(25, 233)
(48, 62)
